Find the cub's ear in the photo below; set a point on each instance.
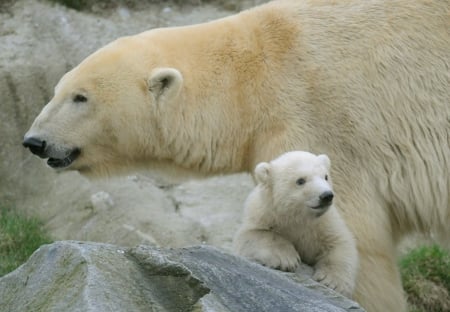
(165, 83)
(325, 160)
(262, 172)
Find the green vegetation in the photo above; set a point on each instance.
(20, 236)
(426, 279)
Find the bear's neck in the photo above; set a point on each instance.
(231, 116)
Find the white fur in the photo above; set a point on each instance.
(281, 226)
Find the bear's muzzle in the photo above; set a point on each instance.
(57, 157)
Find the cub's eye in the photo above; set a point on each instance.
(326, 177)
(300, 181)
(79, 98)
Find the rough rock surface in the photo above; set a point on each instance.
(40, 41)
(73, 276)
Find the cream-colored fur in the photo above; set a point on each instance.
(286, 221)
(366, 82)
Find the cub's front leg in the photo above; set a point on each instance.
(338, 268)
(267, 248)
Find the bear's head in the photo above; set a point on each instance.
(298, 180)
(104, 112)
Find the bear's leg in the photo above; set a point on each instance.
(338, 264)
(379, 287)
(267, 248)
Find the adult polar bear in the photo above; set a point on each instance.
(366, 82)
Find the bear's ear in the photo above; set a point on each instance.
(165, 83)
(262, 172)
(325, 160)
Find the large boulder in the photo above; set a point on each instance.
(74, 276)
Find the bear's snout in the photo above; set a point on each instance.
(58, 156)
(326, 198)
(36, 146)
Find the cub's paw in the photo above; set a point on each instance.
(333, 280)
(283, 257)
(267, 248)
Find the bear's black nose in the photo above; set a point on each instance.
(36, 146)
(326, 197)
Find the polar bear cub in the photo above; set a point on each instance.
(290, 217)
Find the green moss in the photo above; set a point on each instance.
(20, 236)
(426, 279)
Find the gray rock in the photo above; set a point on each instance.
(75, 276)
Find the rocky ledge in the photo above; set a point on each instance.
(79, 276)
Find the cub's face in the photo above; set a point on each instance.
(298, 180)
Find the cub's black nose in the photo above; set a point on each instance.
(326, 197)
(36, 146)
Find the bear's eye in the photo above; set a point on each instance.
(79, 98)
(300, 181)
(326, 177)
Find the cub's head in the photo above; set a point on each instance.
(298, 180)
(104, 112)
